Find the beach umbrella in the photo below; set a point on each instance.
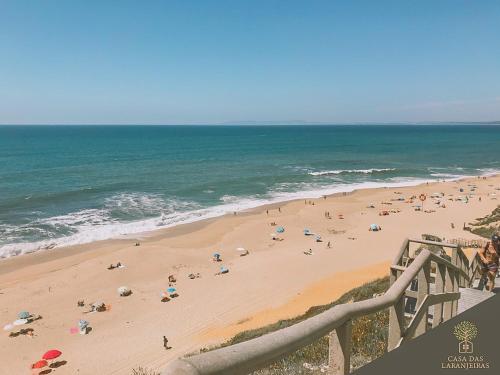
(240, 249)
(51, 354)
(171, 290)
(124, 291)
(40, 364)
(20, 322)
(280, 229)
(318, 237)
(374, 227)
(23, 315)
(8, 327)
(307, 231)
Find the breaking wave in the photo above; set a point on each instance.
(345, 171)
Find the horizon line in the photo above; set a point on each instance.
(268, 123)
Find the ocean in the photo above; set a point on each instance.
(65, 185)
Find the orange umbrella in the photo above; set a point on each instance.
(41, 363)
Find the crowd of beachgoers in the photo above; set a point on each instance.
(113, 305)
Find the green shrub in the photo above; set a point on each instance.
(144, 371)
(486, 226)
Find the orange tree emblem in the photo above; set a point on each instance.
(465, 332)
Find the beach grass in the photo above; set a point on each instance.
(144, 371)
(487, 225)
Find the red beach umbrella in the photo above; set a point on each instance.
(39, 364)
(52, 354)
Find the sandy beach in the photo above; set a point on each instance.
(275, 280)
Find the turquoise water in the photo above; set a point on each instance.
(64, 185)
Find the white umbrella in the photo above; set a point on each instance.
(124, 291)
(240, 249)
(8, 327)
(20, 322)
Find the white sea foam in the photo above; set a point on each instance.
(446, 175)
(341, 171)
(96, 224)
(488, 171)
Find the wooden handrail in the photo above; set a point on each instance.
(434, 243)
(404, 248)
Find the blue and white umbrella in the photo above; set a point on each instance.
(23, 315)
(280, 229)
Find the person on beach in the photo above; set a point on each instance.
(165, 343)
(489, 258)
(495, 241)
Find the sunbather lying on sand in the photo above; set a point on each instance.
(112, 266)
(222, 271)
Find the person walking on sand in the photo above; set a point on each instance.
(489, 258)
(165, 343)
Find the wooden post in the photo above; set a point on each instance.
(456, 289)
(440, 281)
(396, 316)
(396, 323)
(424, 279)
(459, 265)
(448, 287)
(339, 356)
(454, 256)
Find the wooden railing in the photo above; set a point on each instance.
(423, 270)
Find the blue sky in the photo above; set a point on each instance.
(183, 62)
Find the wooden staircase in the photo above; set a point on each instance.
(470, 297)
